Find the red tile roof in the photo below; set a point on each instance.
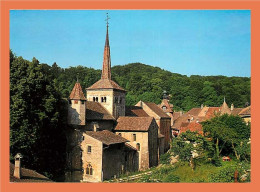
(212, 111)
(157, 110)
(27, 175)
(106, 137)
(77, 92)
(105, 84)
(135, 111)
(134, 123)
(193, 126)
(95, 111)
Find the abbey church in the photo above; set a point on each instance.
(105, 138)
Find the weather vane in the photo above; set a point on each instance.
(107, 19)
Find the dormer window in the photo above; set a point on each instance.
(164, 108)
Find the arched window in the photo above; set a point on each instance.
(105, 99)
(89, 170)
(138, 146)
(102, 99)
(119, 134)
(94, 99)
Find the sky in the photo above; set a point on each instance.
(189, 42)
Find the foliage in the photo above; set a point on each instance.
(192, 142)
(146, 83)
(36, 117)
(230, 135)
(165, 158)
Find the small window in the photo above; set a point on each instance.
(76, 101)
(120, 100)
(94, 99)
(105, 99)
(119, 134)
(116, 99)
(138, 146)
(89, 170)
(164, 108)
(134, 137)
(102, 99)
(89, 149)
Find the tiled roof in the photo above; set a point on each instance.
(105, 84)
(212, 111)
(135, 111)
(106, 137)
(236, 111)
(134, 123)
(156, 110)
(167, 105)
(95, 111)
(194, 111)
(27, 175)
(176, 115)
(77, 92)
(128, 146)
(193, 126)
(245, 111)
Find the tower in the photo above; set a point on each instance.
(106, 91)
(77, 106)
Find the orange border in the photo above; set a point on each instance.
(6, 5)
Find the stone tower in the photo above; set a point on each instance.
(106, 91)
(77, 106)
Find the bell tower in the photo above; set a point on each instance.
(105, 91)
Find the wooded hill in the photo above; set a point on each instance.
(147, 83)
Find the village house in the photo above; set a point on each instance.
(191, 120)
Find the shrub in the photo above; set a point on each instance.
(171, 178)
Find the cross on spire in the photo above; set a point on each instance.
(107, 19)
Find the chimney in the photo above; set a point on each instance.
(232, 107)
(201, 106)
(95, 126)
(17, 165)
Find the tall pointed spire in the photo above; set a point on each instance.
(106, 70)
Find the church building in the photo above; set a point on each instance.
(102, 143)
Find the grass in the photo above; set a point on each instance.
(182, 172)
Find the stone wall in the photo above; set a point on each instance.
(115, 100)
(77, 112)
(153, 144)
(94, 158)
(143, 153)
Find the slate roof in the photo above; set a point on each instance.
(157, 110)
(106, 137)
(133, 123)
(105, 84)
(95, 111)
(27, 175)
(135, 111)
(77, 92)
